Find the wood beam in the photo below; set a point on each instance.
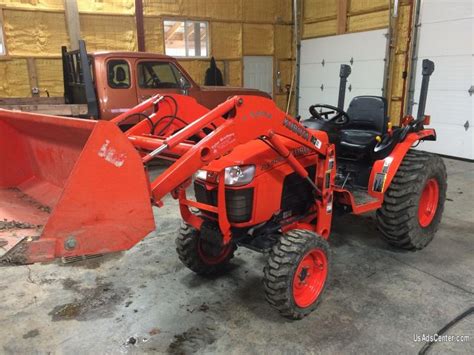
(173, 30)
(73, 23)
(140, 25)
(341, 16)
(33, 77)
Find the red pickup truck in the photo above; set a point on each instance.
(118, 81)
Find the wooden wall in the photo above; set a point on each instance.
(37, 28)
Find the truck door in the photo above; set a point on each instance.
(156, 77)
(120, 94)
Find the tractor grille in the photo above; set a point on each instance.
(297, 194)
(239, 202)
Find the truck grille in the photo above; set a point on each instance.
(239, 202)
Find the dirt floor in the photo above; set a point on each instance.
(144, 300)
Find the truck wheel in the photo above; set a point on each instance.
(197, 255)
(296, 273)
(414, 202)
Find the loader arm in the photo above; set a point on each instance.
(246, 118)
(53, 204)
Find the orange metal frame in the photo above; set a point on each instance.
(91, 177)
(246, 118)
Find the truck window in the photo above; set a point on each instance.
(118, 74)
(159, 75)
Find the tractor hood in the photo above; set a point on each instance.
(257, 153)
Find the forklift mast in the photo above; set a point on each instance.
(78, 82)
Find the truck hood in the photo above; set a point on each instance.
(235, 90)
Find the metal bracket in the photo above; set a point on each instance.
(350, 87)
(322, 87)
(323, 62)
(466, 125)
(351, 61)
(471, 90)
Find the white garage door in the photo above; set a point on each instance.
(258, 73)
(446, 37)
(320, 63)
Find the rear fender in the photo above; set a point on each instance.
(384, 170)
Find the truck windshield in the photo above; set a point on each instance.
(159, 75)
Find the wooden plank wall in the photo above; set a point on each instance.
(35, 31)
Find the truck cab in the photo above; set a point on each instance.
(118, 81)
(124, 79)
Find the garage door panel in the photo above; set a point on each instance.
(461, 147)
(319, 97)
(449, 74)
(361, 46)
(447, 37)
(316, 75)
(438, 38)
(448, 107)
(360, 80)
(442, 10)
(367, 49)
(329, 96)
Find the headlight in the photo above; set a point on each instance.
(233, 175)
(201, 175)
(239, 175)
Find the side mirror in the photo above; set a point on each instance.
(183, 83)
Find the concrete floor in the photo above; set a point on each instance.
(378, 298)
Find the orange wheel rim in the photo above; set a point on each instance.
(428, 203)
(310, 278)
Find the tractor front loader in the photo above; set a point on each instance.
(262, 180)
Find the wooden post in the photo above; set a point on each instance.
(341, 16)
(73, 23)
(33, 77)
(140, 25)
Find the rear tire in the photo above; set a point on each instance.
(194, 254)
(414, 202)
(296, 273)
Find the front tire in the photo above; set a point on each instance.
(196, 255)
(414, 202)
(296, 273)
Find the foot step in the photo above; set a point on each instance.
(362, 197)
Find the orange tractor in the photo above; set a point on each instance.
(262, 180)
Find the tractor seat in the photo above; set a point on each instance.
(368, 119)
(120, 78)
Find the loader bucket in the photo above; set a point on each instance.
(68, 188)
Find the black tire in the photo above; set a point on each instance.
(190, 252)
(397, 219)
(282, 265)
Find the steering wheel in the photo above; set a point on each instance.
(153, 80)
(340, 117)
